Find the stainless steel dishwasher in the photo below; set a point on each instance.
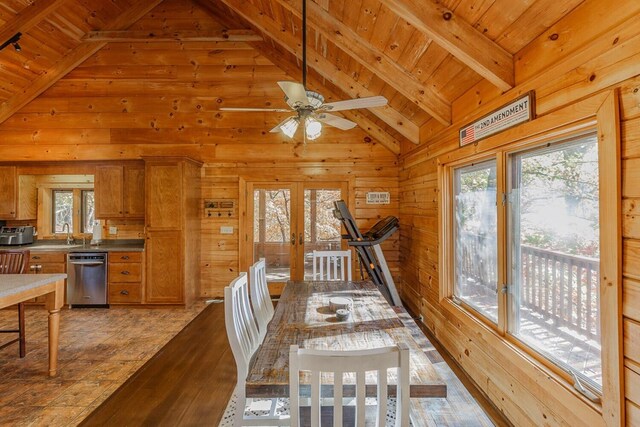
(87, 279)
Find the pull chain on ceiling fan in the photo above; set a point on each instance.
(309, 105)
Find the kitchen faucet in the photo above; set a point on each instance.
(69, 237)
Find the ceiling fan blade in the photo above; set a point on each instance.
(349, 104)
(336, 121)
(295, 92)
(276, 110)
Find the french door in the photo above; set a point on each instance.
(287, 221)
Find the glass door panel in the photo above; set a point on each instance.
(272, 231)
(322, 231)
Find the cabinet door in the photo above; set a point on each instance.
(164, 195)
(8, 190)
(133, 194)
(108, 188)
(164, 283)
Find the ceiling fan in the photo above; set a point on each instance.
(309, 106)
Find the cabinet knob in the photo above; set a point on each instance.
(124, 292)
(125, 272)
(124, 257)
(35, 257)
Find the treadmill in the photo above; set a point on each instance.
(367, 246)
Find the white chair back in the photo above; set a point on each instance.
(244, 340)
(359, 362)
(260, 297)
(332, 265)
(240, 324)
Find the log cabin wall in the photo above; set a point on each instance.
(162, 98)
(590, 50)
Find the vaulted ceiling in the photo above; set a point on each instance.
(420, 54)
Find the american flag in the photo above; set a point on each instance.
(467, 135)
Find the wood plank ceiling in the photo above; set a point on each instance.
(420, 54)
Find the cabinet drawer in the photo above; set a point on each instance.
(40, 257)
(124, 293)
(125, 257)
(125, 272)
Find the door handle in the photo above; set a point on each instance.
(301, 239)
(293, 239)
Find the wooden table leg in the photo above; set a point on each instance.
(54, 334)
(54, 302)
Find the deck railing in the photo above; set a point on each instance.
(561, 289)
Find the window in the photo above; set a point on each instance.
(554, 254)
(558, 238)
(64, 211)
(475, 237)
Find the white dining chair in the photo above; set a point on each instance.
(260, 297)
(244, 340)
(378, 360)
(332, 265)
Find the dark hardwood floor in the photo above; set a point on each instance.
(187, 383)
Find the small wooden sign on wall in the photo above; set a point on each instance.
(518, 111)
(378, 198)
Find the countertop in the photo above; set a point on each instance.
(129, 245)
(11, 284)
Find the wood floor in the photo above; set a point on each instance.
(187, 383)
(99, 350)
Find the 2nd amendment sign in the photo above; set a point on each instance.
(519, 111)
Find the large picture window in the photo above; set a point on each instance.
(530, 255)
(475, 242)
(554, 254)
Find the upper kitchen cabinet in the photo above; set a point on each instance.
(119, 191)
(8, 192)
(18, 196)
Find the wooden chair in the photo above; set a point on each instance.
(332, 265)
(244, 340)
(319, 362)
(15, 262)
(260, 297)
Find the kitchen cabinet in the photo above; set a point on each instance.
(172, 230)
(119, 191)
(165, 281)
(8, 192)
(48, 263)
(126, 275)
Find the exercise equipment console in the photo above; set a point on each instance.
(367, 246)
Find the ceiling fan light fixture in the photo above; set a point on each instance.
(313, 128)
(315, 99)
(290, 126)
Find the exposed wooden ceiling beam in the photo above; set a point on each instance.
(72, 59)
(184, 36)
(324, 67)
(373, 59)
(28, 17)
(459, 38)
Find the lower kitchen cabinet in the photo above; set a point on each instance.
(164, 284)
(125, 275)
(48, 263)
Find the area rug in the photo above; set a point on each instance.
(261, 407)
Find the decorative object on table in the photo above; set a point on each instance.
(337, 303)
(342, 314)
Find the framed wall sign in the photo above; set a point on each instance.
(518, 111)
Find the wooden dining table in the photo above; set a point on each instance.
(303, 317)
(17, 288)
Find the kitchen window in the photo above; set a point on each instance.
(75, 207)
(530, 247)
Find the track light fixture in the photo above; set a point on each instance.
(13, 41)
